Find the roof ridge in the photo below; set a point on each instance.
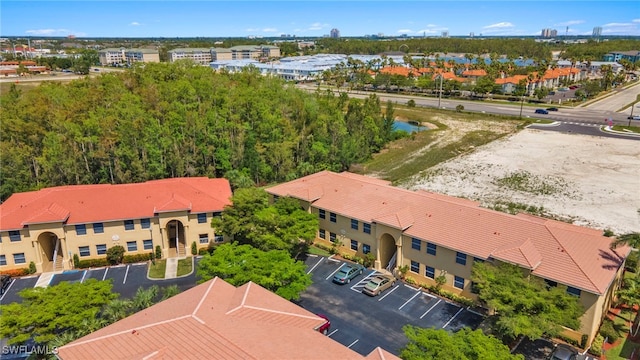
(244, 298)
(204, 296)
(571, 257)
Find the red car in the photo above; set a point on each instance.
(324, 328)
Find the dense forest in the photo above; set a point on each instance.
(167, 120)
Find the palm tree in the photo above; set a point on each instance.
(145, 297)
(631, 239)
(117, 310)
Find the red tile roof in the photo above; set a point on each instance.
(80, 204)
(565, 253)
(215, 320)
(474, 72)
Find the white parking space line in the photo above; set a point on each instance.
(411, 287)
(429, 295)
(431, 308)
(474, 312)
(363, 282)
(450, 320)
(333, 273)
(333, 332)
(388, 292)
(125, 275)
(314, 266)
(105, 274)
(83, 276)
(353, 343)
(408, 301)
(7, 289)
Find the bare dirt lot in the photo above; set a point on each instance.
(587, 180)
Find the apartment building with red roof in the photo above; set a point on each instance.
(435, 235)
(216, 320)
(51, 225)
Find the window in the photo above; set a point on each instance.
(332, 217)
(101, 249)
(430, 272)
(217, 214)
(573, 291)
(366, 248)
(204, 238)
(477, 260)
(550, 283)
(81, 229)
(218, 238)
(474, 288)
(19, 258)
(322, 234)
(354, 245)
(145, 223)
(147, 244)
(128, 225)
(461, 258)
(332, 236)
(3, 260)
(321, 214)
(415, 266)
(415, 243)
(84, 251)
(14, 235)
(276, 198)
(202, 218)
(354, 224)
(98, 228)
(458, 282)
(431, 249)
(366, 228)
(132, 246)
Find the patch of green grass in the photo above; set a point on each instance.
(624, 128)
(157, 270)
(543, 121)
(625, 347)
(184, 266)
(525, 181)
(317, 251)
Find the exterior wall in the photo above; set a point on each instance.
(10, 248)
(217, 56)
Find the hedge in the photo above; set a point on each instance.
(16, 272)
(83, 264)
(128, 259)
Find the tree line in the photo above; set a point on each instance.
(168, 120)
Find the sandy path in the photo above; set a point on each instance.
(592, 181)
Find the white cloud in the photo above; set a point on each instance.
(636, 20)
(569, 23)
(135, 23)
(405, 31)
(49, 32)
(500, 25)
(269, 30)
(617, 24)
(318, 26)
(251, 29)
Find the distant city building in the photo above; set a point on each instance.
(597, 31)
(549, 33)
(334, 33)
(198, 55)
(240, 52)
(614, 56)
(127, 56)
(445, 34)
(471, 34)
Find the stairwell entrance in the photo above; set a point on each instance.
(50, 252)
(177, 240)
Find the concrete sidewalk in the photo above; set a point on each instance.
(171, 272)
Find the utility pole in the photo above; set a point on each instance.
(631, 116)
(521, 104)
(440, 94)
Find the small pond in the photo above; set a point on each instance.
(410, 128)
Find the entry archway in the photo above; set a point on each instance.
(50, 252)
(177, 240)
(387, 249)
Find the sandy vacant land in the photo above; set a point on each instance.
(587, 180)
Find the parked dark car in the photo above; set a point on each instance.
(563, 352)
(324, 328)
(634, 117)
(347, 272)
(541, 111)
(552, 109)
(5, 281)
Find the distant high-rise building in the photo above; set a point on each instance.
(445, 34)
(335, 33)
(597, 31)
(549, 33)
(471, 34)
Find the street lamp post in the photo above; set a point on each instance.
(521, 104)
(631, 116)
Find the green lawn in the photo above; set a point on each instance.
(317, 251)
(625, 346)
(157, 270)
(185, 266)
(634, 129)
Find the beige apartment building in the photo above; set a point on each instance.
(127, 56)
(438, 235)
(198, 55)
(51, 225)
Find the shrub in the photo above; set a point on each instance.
(369, 260)
(403, 270)
(76, 260)
(15, 272)
(596, 345)
(440, 280)
(212, 247)
(115, 254)
(410, 281)
(203, 251)
(83, 264)
(583, 341)
(158, 252)
(631, 265)
(608, 233)
(608, 331)
(129, 259)
(411, 103)
(194, 248)
(32, 268)
(459, 108)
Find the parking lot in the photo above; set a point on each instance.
(363, 323)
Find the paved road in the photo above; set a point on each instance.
(584, 129)
(620, 99)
